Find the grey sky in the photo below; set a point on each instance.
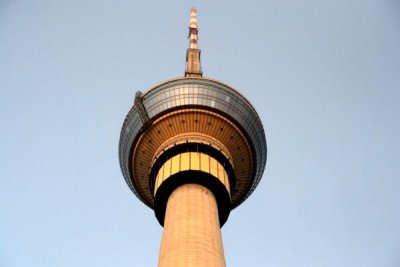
(323, 75)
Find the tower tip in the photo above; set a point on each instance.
(193, 19)
(193, 64)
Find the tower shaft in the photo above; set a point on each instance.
(191, 235)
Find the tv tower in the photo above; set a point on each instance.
(192, 149)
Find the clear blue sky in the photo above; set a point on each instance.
(323, 75)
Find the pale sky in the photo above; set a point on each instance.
(324, 77)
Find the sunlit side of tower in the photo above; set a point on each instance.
(192, 149)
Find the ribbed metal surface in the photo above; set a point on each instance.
(195, 92)
(192, 161)
(188, 123)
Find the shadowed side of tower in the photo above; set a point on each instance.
(192, 149)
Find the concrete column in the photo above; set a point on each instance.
(192, 235)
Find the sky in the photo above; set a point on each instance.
(324, 77)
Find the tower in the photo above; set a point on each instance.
(192, 149)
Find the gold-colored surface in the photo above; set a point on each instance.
(192, 161)
(191, 235)
(194, 137)
(193, 122)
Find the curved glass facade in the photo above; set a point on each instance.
(196, 92)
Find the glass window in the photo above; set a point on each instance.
(194, 160)
(185, 161)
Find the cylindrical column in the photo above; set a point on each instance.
(192, 235)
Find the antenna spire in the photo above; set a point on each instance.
(193, 29)
(193, 63)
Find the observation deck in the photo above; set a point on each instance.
(192, 114)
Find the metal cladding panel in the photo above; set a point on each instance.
(130, 129)
(197, 92)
